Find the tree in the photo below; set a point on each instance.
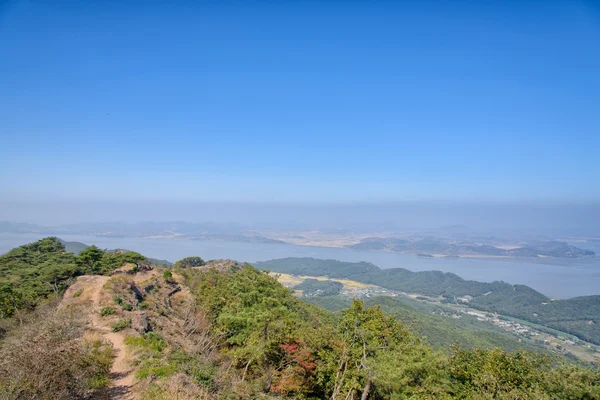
(256, 319)
(499, 374)
(365, 334)
(57, 276)
(189, 262)
(89, 260)
(270, 335)
(10, 301)
(113, 260)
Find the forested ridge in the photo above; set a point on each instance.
(229, 331)
(35, 271)
(578, 316)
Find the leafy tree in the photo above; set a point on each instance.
(366, 333)
(189, 262)
(113, 260)
(269, 333)
(498, 374)
(89, 260)
(25, 274)
(10, 300)
(257, 319)
(57, 276)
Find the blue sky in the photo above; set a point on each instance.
(300, 101)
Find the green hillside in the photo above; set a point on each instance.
(440, 332)
(317, 267)
(315, 287)
(578, 316)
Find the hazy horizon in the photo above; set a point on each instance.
(540, 218)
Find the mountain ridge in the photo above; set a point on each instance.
(578, 316)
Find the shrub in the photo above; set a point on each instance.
(125, 305)
(121, 324)
(49, 358)
(78, 293)
(167, 275)
(156, 369)
(107, 311)
(142, 305)
(150, 341)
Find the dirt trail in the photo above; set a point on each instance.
(121, 373)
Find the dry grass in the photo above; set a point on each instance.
(287, 279)
(293, 280)
(176, 387)
(49, 357)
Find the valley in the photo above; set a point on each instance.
(524, 333)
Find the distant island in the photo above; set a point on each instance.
(449, 242)
(433, 246)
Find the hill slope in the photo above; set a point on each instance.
(578, 316)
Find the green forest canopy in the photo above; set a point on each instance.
(34, 271)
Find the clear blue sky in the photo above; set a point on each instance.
(300, 101)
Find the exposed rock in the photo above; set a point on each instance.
(139, 296)
(140, 322)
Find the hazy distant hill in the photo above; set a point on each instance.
(78, 247)
(317, 267)
(434, 245)
(16, 227)
(74, 247)
(196, 231)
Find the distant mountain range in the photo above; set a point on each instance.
(195, 231)
(454, 245)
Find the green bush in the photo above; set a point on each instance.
(121, 324)
(150, 341)
(167, 275)
(107, 311)
(125, 305)
(78, 293)
(156, 369)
